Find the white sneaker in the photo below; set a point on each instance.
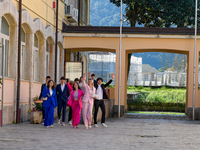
(104, 125)
(90, 127)
(58, 121)
(63, 124)
(70, 123)
(86, 128)
(96, 126)
(51, 126)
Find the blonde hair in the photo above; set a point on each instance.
(91, 80)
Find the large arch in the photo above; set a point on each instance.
(50, 39)
(10, 13)
(50, 33)
(169, 45)
(39, 26)
(27, 21)
(8, 7)
(39, 30)
(177, 51)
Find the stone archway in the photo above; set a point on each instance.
(130, 51)
(61, 59)
(51, 53)
(39, 31)
(10, 14)
(50, 36)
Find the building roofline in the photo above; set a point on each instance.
(129, 30)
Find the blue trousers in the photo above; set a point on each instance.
(49, 115)
(62, 106)
(43, 113)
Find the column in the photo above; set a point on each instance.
(29, 65)
(42, 60)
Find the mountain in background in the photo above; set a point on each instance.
(104, 13)
(153, 59)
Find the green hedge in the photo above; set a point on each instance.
(159, 95)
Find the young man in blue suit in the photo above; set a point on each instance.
(40, 97)
(62, 98)
(94, 81)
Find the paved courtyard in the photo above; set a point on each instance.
(121, 134)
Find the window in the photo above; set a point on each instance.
(23, 54)
(35, 68)
(5, 46)
(47, 58)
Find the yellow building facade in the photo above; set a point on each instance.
(38, 47)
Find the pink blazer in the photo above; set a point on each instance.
(71, 99)
(88, 96)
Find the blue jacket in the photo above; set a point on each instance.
(51, 99)
(42, 88)
(62, 95)
(95, 82)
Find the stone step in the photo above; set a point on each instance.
(156, 116)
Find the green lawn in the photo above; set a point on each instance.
(161, 95)
(164, 113)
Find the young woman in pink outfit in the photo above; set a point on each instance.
(88, 101)
(75, 103)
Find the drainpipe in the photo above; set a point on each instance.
(79, 13)
(19, 60)
(2, 68)
(195, 49)
(120, 49)
(56, 43)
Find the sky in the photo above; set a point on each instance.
(104, 13)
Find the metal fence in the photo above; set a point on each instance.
(174, 79)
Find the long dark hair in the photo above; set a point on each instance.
(48, 86)
(78, 86)
(80, 79)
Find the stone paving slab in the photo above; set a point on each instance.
(121, 134)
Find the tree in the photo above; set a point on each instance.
(178, 62)
(159, 13)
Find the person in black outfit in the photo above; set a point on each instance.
(62, 92)
(40, 97)
(99, 101)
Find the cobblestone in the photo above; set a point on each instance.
(121, 134)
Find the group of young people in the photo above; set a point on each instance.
(77, 95)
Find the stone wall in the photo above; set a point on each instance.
(108, 108)
(8, 115)
(24, 113)
(196, 113)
